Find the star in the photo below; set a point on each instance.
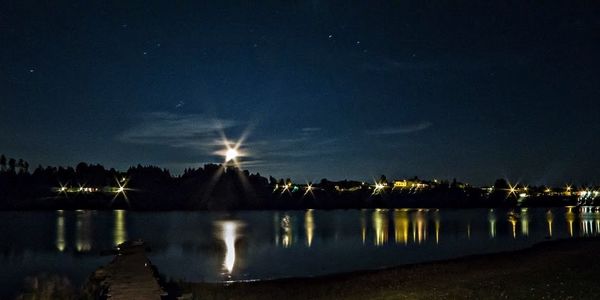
(358, 42)
(330, 36)
(31, 70)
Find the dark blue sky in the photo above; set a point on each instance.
(323, 89)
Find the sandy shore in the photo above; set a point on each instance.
(568, 269)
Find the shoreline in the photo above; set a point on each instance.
(565, 268)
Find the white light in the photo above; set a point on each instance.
(231, 154)
(228, 231)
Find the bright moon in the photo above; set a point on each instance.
(231, 154)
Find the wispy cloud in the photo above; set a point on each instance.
(401, 129)
(415, 63)
(205, 134)
(311, 129)
(176, 130)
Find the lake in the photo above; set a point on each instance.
(257, 245)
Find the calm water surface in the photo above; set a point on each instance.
(209, 246)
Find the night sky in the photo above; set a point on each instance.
(475, 91)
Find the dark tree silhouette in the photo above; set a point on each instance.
(12, 165)
(225, 187)
(383, 180)
(21, 166)
(2, 163)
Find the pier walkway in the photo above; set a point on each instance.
(130, 275)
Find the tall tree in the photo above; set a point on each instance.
(2, 163)
(12, 164)
(20, 165)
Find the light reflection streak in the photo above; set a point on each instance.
(417, 221)
(549, 219)
(492, 220)
(227, 231)
(469, 230)
(363, 226)
(421, 220)
(61, 242)
(570, 216)
(436, 218)
(309, 226)
(513, 222)
(597, 217)
(277, 227)
(401, 225)
(286, 225)
(588, 221)
(119, 227)
(524, 222)
(380, 225)
(83, 231)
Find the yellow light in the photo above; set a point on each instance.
(60, 232)
(512, 189)
(309, 225)
(121, 189)
(309, 190)
(119, 227)
(231, 154)
(380, 225)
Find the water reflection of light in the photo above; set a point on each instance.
(513, 222)
(589, 221)
(401, 226)
(380, 225)
(277, 226)
(469, 230)
(436, 219)
(549, 219)
(119, 227)
(286, 225)
(524, 222)
(60, 231)
(570, 216)
(492, 220)
(83, 231)
(309, 225)
(228, 233)
(363, 226)
(597, 217)
(419, 226)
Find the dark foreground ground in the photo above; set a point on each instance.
(568, 269)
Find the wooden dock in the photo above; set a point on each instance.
(130, 275)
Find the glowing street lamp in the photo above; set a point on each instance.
(309, 190)
(378, 188)
(512, 189)
(121, 189)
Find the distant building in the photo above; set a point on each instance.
(409, 184)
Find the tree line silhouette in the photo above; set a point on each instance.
(223, 187)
